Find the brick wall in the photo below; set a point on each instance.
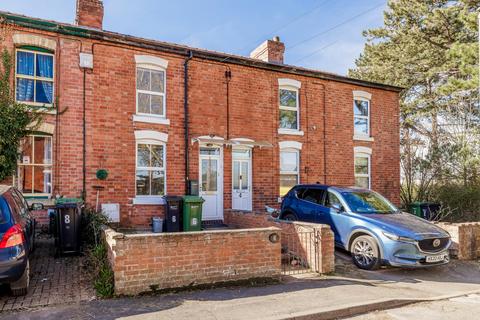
(174, 260)
(110, 142)
(465, 238)
(297, 236)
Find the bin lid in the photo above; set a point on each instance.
(69, 203)
(172, 198)
(193, 199)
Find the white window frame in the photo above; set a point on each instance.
(153, 64)
(149, 137)
(290, 147)
(362, 96)
(35, 78)
(363, 152)
(32, 164)
(290, 85)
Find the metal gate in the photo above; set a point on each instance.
(300, 252)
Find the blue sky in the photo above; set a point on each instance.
(319, 34)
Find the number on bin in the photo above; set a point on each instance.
(67, 218)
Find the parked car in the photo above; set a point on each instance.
(367, 225)
(17, 240)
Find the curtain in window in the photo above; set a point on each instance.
(25, 63)
(24, 89)
(44, 70)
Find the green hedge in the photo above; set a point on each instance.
(460, 203)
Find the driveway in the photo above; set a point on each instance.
(350, 291)
(54, 280)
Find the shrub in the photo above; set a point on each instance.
(97, 252)
(460, 203)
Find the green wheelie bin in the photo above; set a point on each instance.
(192, 213)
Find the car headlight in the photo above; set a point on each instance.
(394, 237)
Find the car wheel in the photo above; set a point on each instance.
(365, 253)
(289, 217)
(20, 287)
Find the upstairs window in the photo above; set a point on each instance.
(361, 114)
(289, 109)
(150, 91)
(34, 77)
(362, 117)
(289, 105)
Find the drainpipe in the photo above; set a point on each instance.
(185, 111)
(84, 190)
(228, 77)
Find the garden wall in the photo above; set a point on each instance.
(465, 238)
(293, 237)
(146, 262)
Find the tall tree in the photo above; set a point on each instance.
(429, 47)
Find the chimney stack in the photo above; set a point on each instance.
(270, 51)
(90, 14)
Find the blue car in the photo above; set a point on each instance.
(17, 236)
(367, 225)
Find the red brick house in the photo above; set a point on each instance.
(157, 115)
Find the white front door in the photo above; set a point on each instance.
(242, 179)
(211, 182)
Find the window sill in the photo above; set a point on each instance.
(290, 132)
(150, 119)
(363, 138)
(149, 200)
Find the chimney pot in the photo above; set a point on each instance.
(270, 51)
(89, 14)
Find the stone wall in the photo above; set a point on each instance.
(465, 238)
(146, 262)
(294, 235)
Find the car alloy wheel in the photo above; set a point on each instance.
(365, 253)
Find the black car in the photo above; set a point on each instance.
(17, 240)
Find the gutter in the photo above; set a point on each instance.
(95, 34)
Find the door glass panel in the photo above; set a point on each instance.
(244, 174)
(210, 151)
(209, 175)
(236, 175)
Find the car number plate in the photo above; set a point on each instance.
(439, 258)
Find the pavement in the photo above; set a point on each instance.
(464, 307)
(348, 292)
(53, 280)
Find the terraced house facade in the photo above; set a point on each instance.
(128, 120)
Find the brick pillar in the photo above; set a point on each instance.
(90, 13)
(326, 249)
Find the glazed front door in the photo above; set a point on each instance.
(211, 182)
(242, 179)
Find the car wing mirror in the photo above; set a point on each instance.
(272, 211)
(36, 206)
(337, 207)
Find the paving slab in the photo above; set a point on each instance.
(53, 281)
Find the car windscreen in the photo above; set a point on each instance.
(368, 202)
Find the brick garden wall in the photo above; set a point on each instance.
(465, 238)
(295, 237)
(172, 260)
